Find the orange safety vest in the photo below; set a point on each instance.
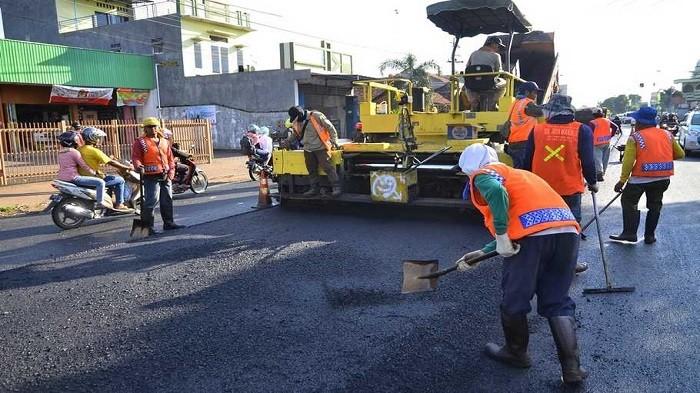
(520, 123)
(155, 156)
(602, 133)
(322, 132)
(654, 153)
(556, 158)
(533, 205)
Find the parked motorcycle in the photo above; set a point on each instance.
(257, 165)
(74, 204)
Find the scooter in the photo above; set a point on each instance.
(74, 204)
(195, 179)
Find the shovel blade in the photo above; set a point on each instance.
(595, 291)
(414, 269)
(139, 229)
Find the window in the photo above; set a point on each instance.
(219, 59)
(215, 60)
(116, 47)
(695, 121)
(197, 55)
(157, 44)
(104, 19)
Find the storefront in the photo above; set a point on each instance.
(49, 83)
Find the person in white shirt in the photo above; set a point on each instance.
(265, 142)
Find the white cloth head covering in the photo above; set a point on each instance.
(476, 156)
(264, 131)
(167, 134)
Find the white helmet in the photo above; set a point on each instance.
(264, 131)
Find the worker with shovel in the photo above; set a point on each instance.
(560, 151)
(519, 206)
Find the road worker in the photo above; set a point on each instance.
(523, 118)
(603, 131)
(648, 158)
(488, 55)
(319, 137)
(151, 154)
(538, 236)
(560, 151)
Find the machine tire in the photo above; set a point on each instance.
(199, 182)
(61, 220)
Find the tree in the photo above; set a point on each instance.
(410, 69)
(617, 104)
(635, 101)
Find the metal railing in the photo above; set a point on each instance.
(29, 151)
(215, 11)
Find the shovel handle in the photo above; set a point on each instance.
(470, 262)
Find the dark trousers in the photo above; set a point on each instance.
(654, 192)
(544, 266)
(321, 158)
(158, 190)
(574, 203)
(516, 151)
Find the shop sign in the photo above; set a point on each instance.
(80, 95)
(131, 97)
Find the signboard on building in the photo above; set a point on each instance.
(80, 95)
(131, 97)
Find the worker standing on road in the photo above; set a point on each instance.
(519, 206)
(603, 131)
(649, 155)
(561, 152)
(151, 153)
(319, 137)
(523, 118)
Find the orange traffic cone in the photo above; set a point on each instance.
(264, 199)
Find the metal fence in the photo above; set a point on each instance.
(29, 151)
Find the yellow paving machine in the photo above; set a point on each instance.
(409, 148)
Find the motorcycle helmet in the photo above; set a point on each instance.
(167, 134)
(597, 112)
(264, 131)
(92, 135)
(68, 139)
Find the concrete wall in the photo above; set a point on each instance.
(30, 20)
(327, 94)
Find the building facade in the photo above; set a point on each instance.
(691, 87)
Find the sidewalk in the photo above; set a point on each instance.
(226, 167)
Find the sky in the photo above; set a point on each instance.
(606, 47)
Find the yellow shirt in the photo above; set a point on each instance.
(95, 158)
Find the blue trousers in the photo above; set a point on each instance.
(158, 190)
(91, 181)
(544, 266)
(574, 203)
(516, 151)
(116, 183)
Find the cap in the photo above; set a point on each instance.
(494, 40)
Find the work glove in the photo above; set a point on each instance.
(462, 265)
(593, 188)
(619, 186)
(505, 247)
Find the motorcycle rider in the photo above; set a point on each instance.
(96, 158)
(182, 156)
(69, 161)
(265, 143)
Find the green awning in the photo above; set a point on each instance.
(45, 64)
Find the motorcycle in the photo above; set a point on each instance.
(72, 205)
(257, 165)
(195, 179)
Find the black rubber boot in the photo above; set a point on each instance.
(581, 267)
(149, 219)
(514, 353)
(564, 333)
(313, 191)
(630, 223)
(650, 223)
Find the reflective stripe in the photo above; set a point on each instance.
(657, 166)
(542, 216)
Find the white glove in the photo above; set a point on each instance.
(505, 247)
(462, 265)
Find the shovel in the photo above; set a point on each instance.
(608, 284)
(421, 276)
(141, 227)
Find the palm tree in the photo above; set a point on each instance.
(410, 69)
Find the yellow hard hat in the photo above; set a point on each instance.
(288, 123)
(151, 121)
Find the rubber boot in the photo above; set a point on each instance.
(581, 267)
(630, 223)
(514, 353)
(336, 191)
(564, 333)
(650, 223)
(149, 220)
(313, 191)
